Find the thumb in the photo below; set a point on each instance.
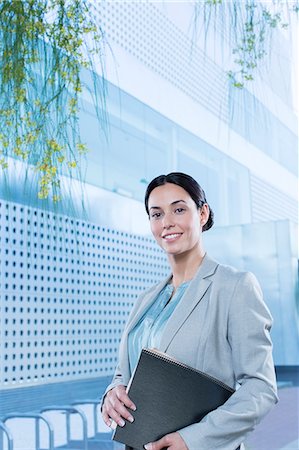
(158, 445)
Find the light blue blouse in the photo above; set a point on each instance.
(148, 331)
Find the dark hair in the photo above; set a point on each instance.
(186, 182)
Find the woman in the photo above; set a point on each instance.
(207, 315)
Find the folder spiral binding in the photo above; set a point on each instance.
(169, 395)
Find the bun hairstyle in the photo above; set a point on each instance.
(186, 182)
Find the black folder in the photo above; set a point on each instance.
(169, 396)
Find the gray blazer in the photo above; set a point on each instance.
(221, 326)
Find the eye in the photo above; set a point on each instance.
(156, 215)
(179, 210)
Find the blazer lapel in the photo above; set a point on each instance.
(193, 295)
(146, 303)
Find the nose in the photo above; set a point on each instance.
(167, 221)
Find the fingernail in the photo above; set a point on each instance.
(131, 419)
(133, 408)
(148, 446)
(121, 423)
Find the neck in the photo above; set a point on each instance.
(184, 266)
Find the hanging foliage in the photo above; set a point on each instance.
(248, 25)
(46, 48)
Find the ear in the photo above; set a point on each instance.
(204, 214)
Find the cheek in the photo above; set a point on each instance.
(193, 228)
(155, 229)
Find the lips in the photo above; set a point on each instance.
(169, 237)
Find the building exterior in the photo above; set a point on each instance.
(70, 277)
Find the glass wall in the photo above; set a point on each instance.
(251, 119)
(270, 251)
(141, 144)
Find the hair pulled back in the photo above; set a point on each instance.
(186, 182)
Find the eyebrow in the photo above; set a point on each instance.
(173, 203)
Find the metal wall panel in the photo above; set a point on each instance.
(67, 286)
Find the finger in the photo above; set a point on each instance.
(114, 409)
(123, 412)
(109, 414)
(114, 416)
(117, 411)
(119, 406)
(106, 419)
(158, 445)
(125, 399)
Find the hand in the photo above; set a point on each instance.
(172, 441)
(115, 406)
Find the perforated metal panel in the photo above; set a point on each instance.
(141, 29)
(67, 287)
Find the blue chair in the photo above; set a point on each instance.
(99, 440)
(9, 441)
(38, 418)
(68, 411)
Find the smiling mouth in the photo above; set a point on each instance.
(169, 237)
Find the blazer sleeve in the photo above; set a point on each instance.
(119, 377)
(248, 333)
(121, 374)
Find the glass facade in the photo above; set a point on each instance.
(143, 144)
(269, 250)
(70, 272)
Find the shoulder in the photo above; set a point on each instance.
(229, 283)
(239, 294)
(241, 289)
(231, 275)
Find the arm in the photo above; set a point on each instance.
(122, 372)
(248, 327)
(115, 400)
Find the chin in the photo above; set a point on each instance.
(173, 252)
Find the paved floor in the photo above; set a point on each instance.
(279, 430)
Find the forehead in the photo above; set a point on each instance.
(167, 194)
